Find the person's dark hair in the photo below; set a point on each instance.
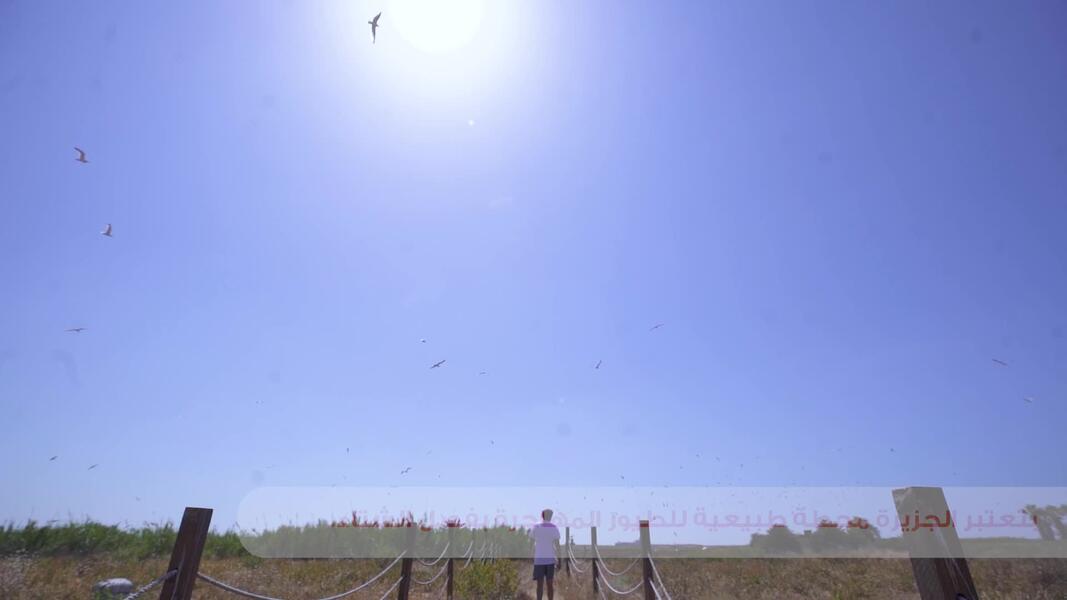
(546, 514)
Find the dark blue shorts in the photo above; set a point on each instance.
(542, 571)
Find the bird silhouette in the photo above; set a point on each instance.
(423, 340)
(406, 469)
(107, 231)
(92, 467)
(437, 364)
(1029, 399)
(1000, 362)
(656, 326)
(598, 363)
(75, 329)
(374, 27)
(483, 372)
(81, 155)
(53, 458)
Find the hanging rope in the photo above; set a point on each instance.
(655, 573)
(440, 572)
(574, 561)
(392, 587)
(430, 564)
(151, 584)
(254, 596)
(604, 565)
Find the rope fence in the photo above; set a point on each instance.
(151, 584)
(658, 579)
(238, 591)
(608, 585)
(655, 591)
(233, 590)
(574, 561)
(604, 565)
(438, 559)
(440, 572)
(184, 568)
(391, 588)
(650, 581)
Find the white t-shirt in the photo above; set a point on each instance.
(543, 535)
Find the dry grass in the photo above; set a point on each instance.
(688, 579)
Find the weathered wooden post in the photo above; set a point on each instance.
(929, 533)
(646, 565)
(567, 549)
(185, 556)
(405, 563)
(451, 561)
(596, 569)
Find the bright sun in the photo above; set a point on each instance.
(435, 26)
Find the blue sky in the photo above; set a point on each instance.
(842, 212)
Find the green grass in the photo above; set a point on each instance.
(88, 538)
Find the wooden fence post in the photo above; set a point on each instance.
(929, 533)
(405, 563)
(451, 561)
(646, 565)
(567, 550)
(596, 569)
(185, 556)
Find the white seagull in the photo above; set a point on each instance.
(81, 155)
(107, 231)
(374, 27)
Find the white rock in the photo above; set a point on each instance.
(117, 586)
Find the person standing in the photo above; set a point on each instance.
(545, 536)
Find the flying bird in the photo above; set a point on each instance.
(75, 330)
(107, 231)
(656, 326)
(483, 372)
(81, 155)
(1029, 399)
(406, 469)
(1000, 362)
(598, 363)
(374, 27)
(437, 364)
(423, 340)
(92, 467)
(53, 458)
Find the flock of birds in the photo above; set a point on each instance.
(374, 25)
(108, 232)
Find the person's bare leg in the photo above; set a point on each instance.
(551, 590)
(541, 589)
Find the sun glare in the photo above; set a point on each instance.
(436, 26)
